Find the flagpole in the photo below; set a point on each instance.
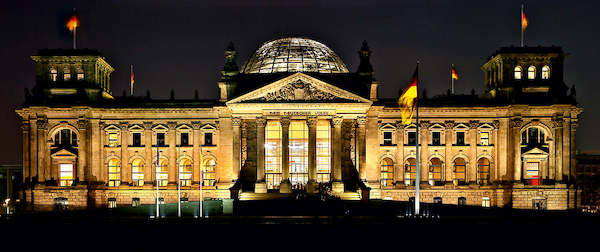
(131, 80)
(156, 178)
(417, 176)
(522, 30)
(178, 184)
(201, 180)
(452, 77)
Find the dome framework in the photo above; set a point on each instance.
(294, 55)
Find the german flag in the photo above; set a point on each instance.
(408, 99)
(73, 23)
(523, 21)
(454, 74)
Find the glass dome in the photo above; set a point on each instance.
(294, 55)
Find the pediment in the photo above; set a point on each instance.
(63, 154)
(535, 151)
(299, 88)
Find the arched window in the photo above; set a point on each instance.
(435, 170)
(533, 136)
(483, 171)
(460, 171)
(67, 74)
(185, 172)
(65, 138)
(387, 172)
(518, 73)
(545, 73)
(410, 171)
(208, 172)
(114, 172)
(137, 172)
(162, 176)
(531, 72)
(53, 74)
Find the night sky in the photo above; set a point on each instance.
(179, 44)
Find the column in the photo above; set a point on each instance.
(573, 150)
(82, 155)
(125, 169)
(558, 163)
(147, 142)
(312, 154)
(516, 142)
(362, 147)
(338, 185)
(97, 149)
(472, 152)
(33, 152)
(424, 152)
(565, 149)
(286, 186)
(399, 175)
(172, 142)
(43, 169)
(261, 185)
(26, 171)
(496, 162)
(236, 123)
(197, 155)
(448, 140)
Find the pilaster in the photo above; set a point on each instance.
(172, 142)
(83, 173)
(236, 123)
(125, 169)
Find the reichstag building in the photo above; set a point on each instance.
(294, 117)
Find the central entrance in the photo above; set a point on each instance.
(298, 153)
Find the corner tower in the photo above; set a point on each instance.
(526, 73)
(71, 75)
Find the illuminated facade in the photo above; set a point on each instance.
(295, 117)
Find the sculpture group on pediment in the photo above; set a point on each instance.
(298, 90)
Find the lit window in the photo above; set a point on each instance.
(80, 74)
(137, 172)
(273, 154)
(532, 172)
(545, 72)
(114, 172)
(53, 74)
(436, 138)
(323, 151)
(483, 171)
(66, 174)
(185, 172)
(387, 172)
(518, 73)
(113, 139)
(460, 138)
(298, 152)
(67, 74)
(531, 72)
(208, 176)
(135, 202)
(387, 138)
(484, 138)
(163, 173)
(410, 171)
(112, 203)
(435, 170)
(485, 202)
(460, 170)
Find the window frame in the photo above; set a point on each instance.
(531, 72)
(518, 73)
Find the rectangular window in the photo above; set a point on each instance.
(66, 174)
(436, 138)
(185, 139)
(160, 139)
(137, 139)
(135, 202)
(112, 203)
(412, 138)
(532, 172)
(485, 202)
(208, 139)
(113, 140)
(460, 138)
(323, 151)
(80, 76)
(387, 138)
(484, 138)
(67, 76)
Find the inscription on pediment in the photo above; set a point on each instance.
(298, 90)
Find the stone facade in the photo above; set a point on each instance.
(489, 150)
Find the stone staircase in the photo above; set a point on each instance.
(265, 196)
(350, 196)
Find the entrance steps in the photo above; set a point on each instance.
(276, 196)
(350, 196)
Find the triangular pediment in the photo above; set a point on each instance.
(535, 151)
(299, 88)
